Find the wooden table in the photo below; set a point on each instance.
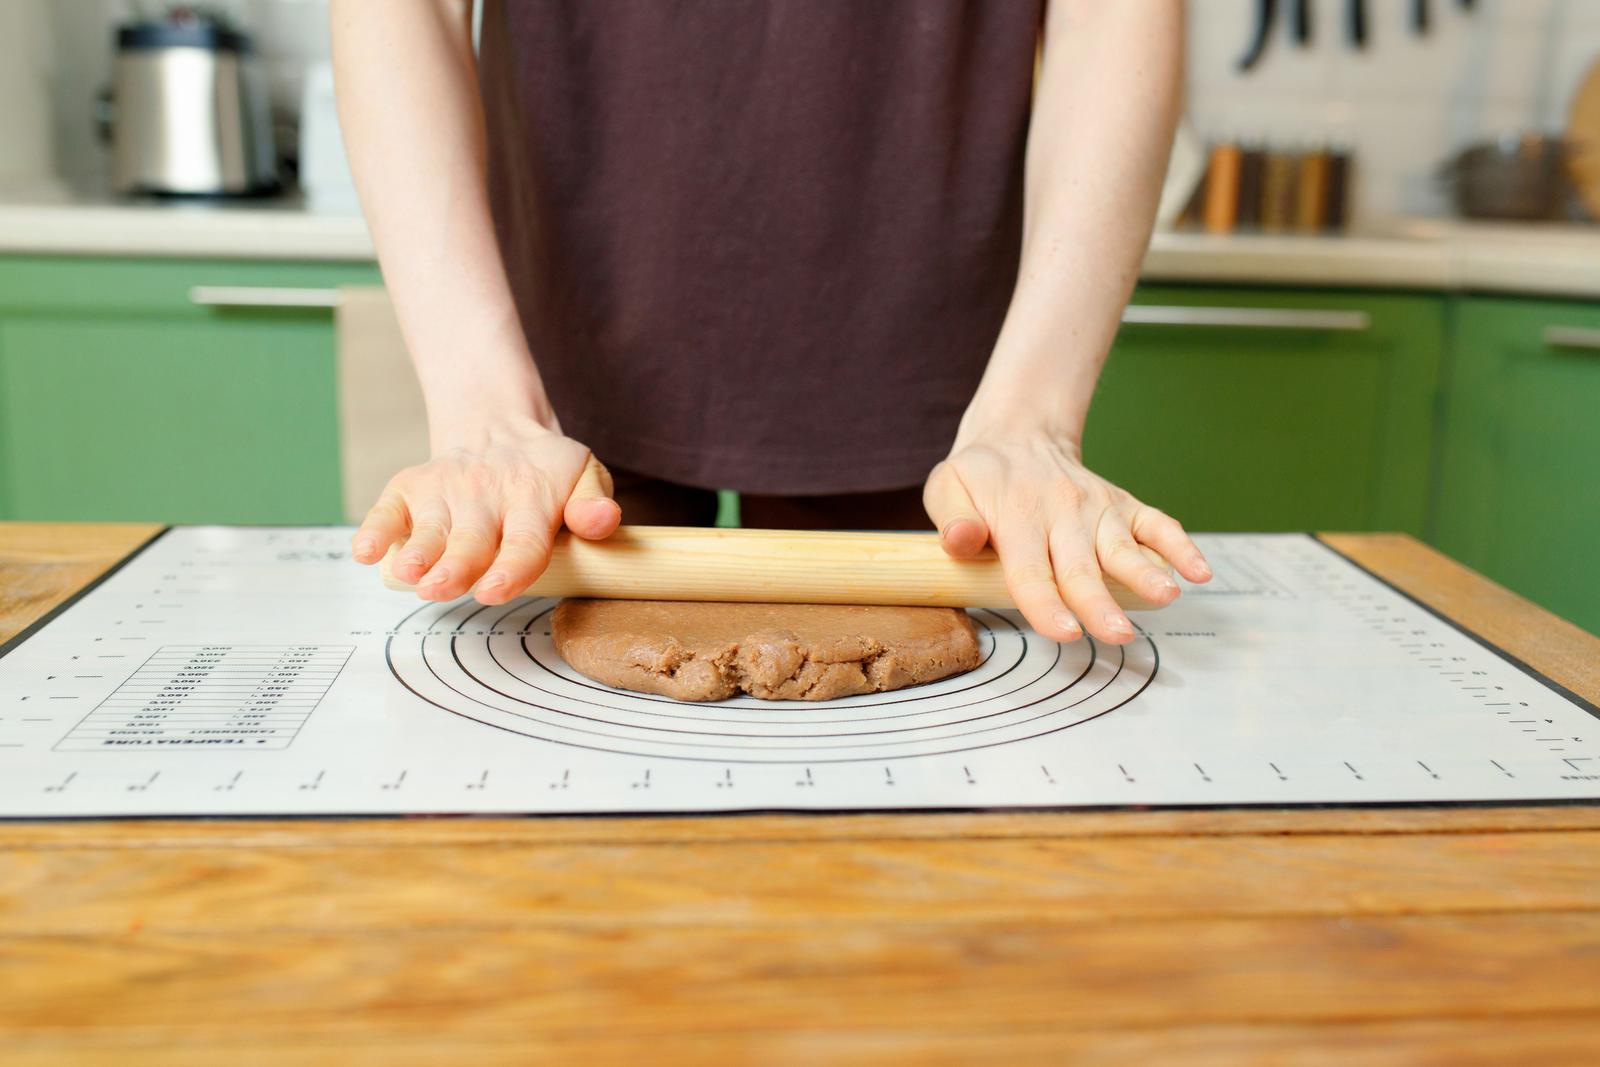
(1443, 936)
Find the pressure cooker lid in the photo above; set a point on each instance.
(188, 33)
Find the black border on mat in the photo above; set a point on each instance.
(1527, 802)
(44, 620)
(1521, 665)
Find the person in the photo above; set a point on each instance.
(861, 262)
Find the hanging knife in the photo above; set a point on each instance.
(1420, 18)
(1266, 16)
(1300, 22)
(1357, 12)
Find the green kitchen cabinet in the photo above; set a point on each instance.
(121, 397)
(1272, 409)
(1518, 492)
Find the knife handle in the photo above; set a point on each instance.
(1357, 13)
(1266, 17)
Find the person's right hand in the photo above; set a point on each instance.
(487, 512)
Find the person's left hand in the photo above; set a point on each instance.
(1057, 527)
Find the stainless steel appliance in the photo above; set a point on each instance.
(1520, 177)
(187, 113)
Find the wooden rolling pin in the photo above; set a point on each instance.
(775, 566)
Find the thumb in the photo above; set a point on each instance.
(590, 512)
(962, 531)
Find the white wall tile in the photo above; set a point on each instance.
(26, 135)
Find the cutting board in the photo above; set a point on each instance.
(1583, 135)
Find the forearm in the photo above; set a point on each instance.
(1104, 111)
(414, 132)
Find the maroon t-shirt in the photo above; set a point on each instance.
(760, 244)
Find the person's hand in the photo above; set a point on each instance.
(486, 511)
(1057, 526)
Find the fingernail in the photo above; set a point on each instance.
(1118, 624)
(492, 581)
(1163, 583)
(1203, 568)
(1065, 620)
(436, 578)
(366, 546)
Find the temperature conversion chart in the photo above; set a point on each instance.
(245, 671)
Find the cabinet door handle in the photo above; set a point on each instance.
(1571, 337)
(1248, 318)
(252, 296)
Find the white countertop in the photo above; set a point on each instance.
(1549, 258)
(1442, 255)
(54, 220)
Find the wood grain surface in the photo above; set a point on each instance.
(776, 567)
(1449, 936)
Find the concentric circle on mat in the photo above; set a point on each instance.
(497, 666)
